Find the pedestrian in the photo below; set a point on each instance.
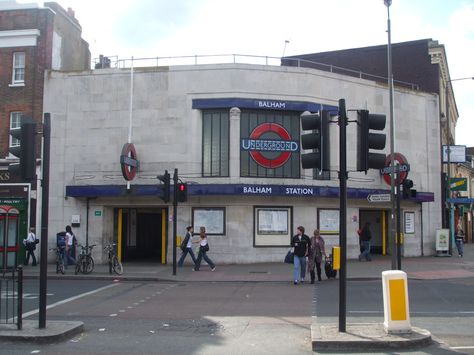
(30, 245)
(186, 247)
(70, 260)
(203, 249)
(365, 238)
(301, 244)
(459, 239)
(316, 252)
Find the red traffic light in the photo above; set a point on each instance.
(182, 192)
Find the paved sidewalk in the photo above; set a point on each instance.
(427, 267)
(324, 336)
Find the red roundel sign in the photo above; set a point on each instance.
(403, 166)
(129, 162)
(270, 145)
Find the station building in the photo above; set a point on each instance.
(233, 132)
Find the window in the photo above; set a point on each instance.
(272, 226)
(18, 75)
(213, 219)
(215, 143)
(15, 122)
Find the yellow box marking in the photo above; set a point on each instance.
(397, 299)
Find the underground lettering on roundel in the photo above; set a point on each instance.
(257, 190)
(298, 191)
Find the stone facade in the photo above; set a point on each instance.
(90, 124)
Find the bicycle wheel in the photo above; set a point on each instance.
(61, 266)
(78, 266)
(87, 264)
(117, 265)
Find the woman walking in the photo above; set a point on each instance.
(203, 249)
(316, 253)
(187, 247)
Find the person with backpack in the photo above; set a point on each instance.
(203, 249)
(186, 247)
(69, 247)
(30, 245)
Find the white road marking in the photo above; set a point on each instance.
(462, 347)
(419, 313)
(30, 313)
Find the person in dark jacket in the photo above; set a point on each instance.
(301, 244)
(365, 238)
(459, 240)
(187, 247)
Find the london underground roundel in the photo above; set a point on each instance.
(270, 145)
(128, 161)
(401, 161)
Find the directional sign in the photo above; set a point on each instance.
(379, 198)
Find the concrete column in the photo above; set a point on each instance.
(234, 143)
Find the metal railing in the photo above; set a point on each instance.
(116, 62)
(11, 296)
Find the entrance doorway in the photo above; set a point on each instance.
(378, 228)
(141, 234)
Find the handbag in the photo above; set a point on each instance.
(290, 257)
(205, 248)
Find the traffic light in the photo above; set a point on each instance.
(318, 140)
(182, 192)
(165, 189)
(408, 192)
(367, 140)
(25, 150)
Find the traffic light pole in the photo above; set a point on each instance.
(399, 236)
(175, 212)
(44, 221)
(342, 213)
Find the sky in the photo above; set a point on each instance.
(163, 28)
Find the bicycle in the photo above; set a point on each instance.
(85, 263)
(59, 259)
(114, 262)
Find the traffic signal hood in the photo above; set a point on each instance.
(165, 188)
(25, 150)
(367, 140)
(408, 191)
(318, 140)
(182, 192)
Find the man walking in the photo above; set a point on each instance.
(365, 238)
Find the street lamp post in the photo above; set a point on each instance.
(392, 142)
(448, 153)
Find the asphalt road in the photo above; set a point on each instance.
(235, 318)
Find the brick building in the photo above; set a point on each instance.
(32, 40)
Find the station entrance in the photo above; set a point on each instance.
(141, 234)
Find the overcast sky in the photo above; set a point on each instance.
(151, 28)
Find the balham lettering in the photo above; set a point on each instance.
(257, 190)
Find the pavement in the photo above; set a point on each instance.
(324, 336)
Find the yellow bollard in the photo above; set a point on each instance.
(336, 258)
(395, 302)
(178, 241)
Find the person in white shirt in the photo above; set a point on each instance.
(30, 246)
(69, 244)
(203, 249)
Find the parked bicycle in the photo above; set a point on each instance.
(85, 263)
(114, 263)
(59, 259)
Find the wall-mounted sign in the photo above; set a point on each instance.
(401, 165)
(98, 213)
(129, 162)
(409, 222)
(458, 184)
(270, 138)
(457, 153)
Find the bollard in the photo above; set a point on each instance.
(395, 302)
(336, 258)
